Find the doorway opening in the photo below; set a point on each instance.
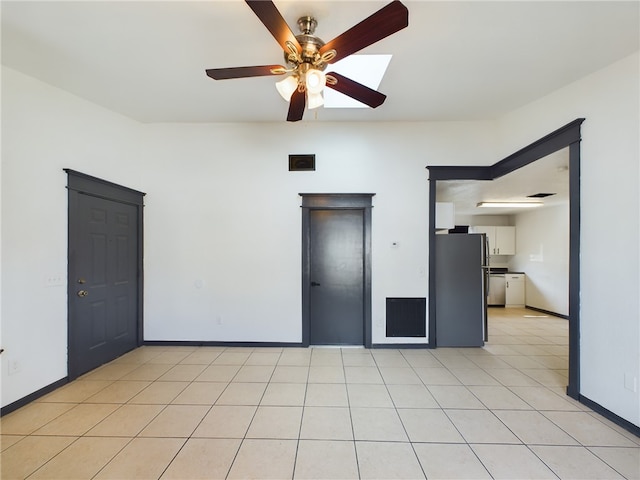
(566, 136)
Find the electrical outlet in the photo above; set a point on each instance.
(219, 320)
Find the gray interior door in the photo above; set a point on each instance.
(104, 281)
(337, 277)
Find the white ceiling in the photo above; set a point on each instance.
(546, 175)
(456, 60)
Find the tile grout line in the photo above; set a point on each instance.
(242, 440)
(481, 365)
(413, 449)
(353, 430)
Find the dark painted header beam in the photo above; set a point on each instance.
(566, 135)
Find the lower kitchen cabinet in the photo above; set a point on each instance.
(514, 290)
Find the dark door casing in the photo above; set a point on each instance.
(336, 269)
(105, 272)
(566, 136)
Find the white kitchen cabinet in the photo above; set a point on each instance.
(445, 215)
(514, 290)
(502, 240)
(505, 241)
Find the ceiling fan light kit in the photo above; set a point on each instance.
(287, 86)
(307, 56)
(315, 81)
(314, 100)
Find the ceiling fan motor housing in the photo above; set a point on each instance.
(310, 45)
(307, 25)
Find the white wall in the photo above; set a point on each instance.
(610, 222)
(490, 220)
(542, 239)
(222, 208)
(43, 131)
(222, 217)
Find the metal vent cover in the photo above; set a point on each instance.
(540, 195)
(302, 163)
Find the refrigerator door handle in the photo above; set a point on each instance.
(487, 283)
(486, 265)
(487, 257)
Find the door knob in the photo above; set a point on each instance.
(315, 284)
(83, 293)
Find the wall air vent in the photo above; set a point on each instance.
(302, 163)
(406, 317)
(540, 195)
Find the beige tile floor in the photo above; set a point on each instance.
(325, 413)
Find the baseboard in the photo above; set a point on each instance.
(197, 343)
(33, 396)
(548, 312)
(402, 345)
(596, 407)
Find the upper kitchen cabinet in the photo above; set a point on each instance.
(502, 240)
(445, 215)
(505, 243)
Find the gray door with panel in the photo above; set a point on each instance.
(104, 277)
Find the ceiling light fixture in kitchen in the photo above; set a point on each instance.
(510, 204)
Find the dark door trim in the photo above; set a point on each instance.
(335, 201)
(566, 136)
(80, 183)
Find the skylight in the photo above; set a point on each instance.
(365, 69)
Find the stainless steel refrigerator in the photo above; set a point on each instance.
(461, 290)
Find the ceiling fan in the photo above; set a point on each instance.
(307, 56)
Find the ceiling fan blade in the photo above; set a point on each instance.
(384, 22)
(296, 106)
(242, 72)
(356, 90)
(272, 19)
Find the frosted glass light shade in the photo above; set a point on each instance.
(316, 81)
(287, 86)
(314, 100)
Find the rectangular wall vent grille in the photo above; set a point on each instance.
(302, 163)
(406, 317)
